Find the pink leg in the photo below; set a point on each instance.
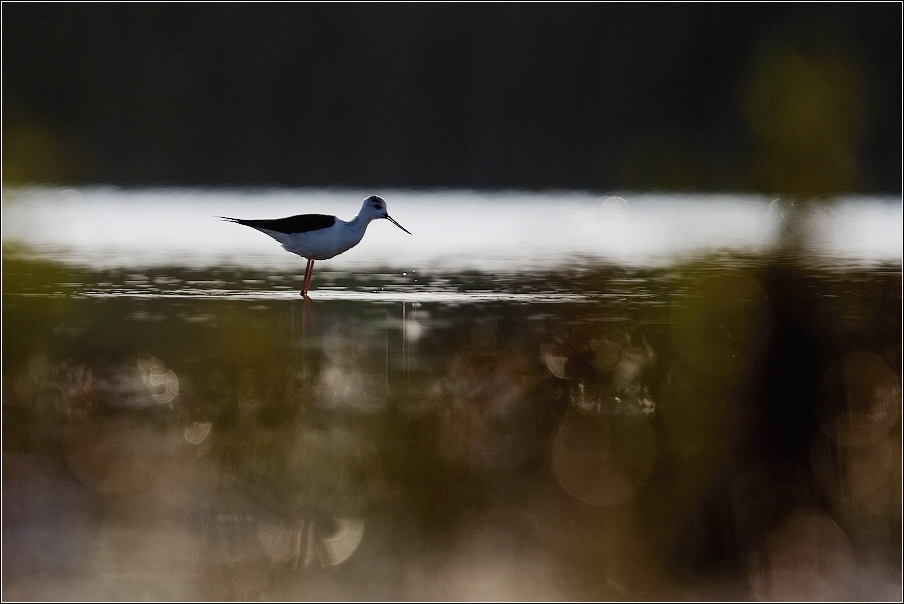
(308, 272)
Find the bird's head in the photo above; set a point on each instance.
(375, 207)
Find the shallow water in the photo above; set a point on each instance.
(538, 410)
(452, 231)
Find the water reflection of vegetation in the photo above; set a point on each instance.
(681, 425)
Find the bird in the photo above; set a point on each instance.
(320, 236)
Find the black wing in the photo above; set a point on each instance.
(293, 224)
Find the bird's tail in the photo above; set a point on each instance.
(228, 219)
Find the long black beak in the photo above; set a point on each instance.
(389, 218)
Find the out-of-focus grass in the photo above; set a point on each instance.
(723, 430)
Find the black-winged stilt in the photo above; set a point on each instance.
(318, 236)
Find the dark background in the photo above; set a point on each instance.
(798, 99)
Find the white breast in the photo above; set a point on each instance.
(321, 244)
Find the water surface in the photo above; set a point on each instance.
(557, 396)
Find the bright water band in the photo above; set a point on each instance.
(499, 233)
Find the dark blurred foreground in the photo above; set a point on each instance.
(726, 430)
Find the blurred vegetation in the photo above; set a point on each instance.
(797, 100)
(726, 429)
